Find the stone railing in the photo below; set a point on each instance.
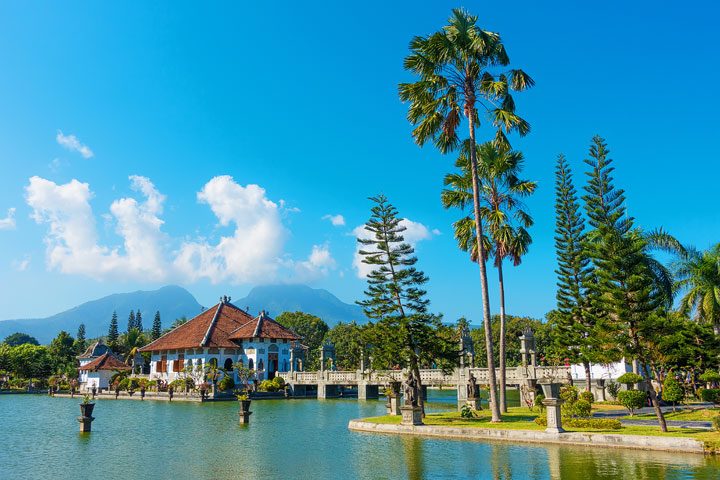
(342, 376)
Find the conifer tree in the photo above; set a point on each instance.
(407, 333)
(628, 282)
(113, 333)
(80, 343)
(156, 327)
(575, 319)
(131, 321)
(138, 321)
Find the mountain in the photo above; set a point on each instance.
(290, 298)
(172, 302)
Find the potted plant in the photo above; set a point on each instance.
(86, 407)
(244, 402)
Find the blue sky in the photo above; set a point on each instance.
(298, 104)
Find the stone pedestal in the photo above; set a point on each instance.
(394, 406)
(411, 415)
(554, 419)
(85, 423)
(244, 416)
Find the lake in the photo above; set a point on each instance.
(286, 439)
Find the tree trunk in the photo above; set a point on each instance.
(501, 347)
(494, 407)
(586, 364)
(421, 401)
(655, 402)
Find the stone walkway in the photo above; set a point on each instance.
(653, 421)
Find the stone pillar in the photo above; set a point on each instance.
(411, 415)
(552, 402)
(366, 391)
(322, 359)
(244, 413)
(326, 390)
(292, 359)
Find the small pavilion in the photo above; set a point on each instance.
(97, 372)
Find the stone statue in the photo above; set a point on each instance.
(472, 388)
(410, 390)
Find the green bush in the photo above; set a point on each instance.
(629, 379)
(632, 399)
(268, 386)
(227, 383)
(132, 384)
(672, 391)
(581, 408)
(569, 394)
(279, 382)
(467, 412)
(587, 396)
(585, 423)
(711, 395)
(538, 401)
(710, 376)
(613, 388)
(716, 423)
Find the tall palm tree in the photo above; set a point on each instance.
(501, 193)
(698, 276)
(460, 70)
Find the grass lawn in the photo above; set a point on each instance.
(521, 418)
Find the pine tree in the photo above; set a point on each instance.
(131, 321)
(406, 333)
(576, 317)
(156, 327)
(80, 343)
(625, 284)
(113, 333)
(138, 321)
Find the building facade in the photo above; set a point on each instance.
(222, 336)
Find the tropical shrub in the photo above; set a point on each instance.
(268, 386)
(613, 388)
(716, 422)
(132, 384)
(711, 395)
(279, 382)
(629, 379)
(587, 396)
(672, 391)
(581, 408)
(538, 401)
(632, 399)
(569, 394)
(226, 383)
(467, 412)
(585, 423)
(710, 377)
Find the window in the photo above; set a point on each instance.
(273, 340)
(261, 340)
(250, 364)
(228, 364)
(179, 364)
(261, 365)
(161, 366)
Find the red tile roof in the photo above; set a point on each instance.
(218, 327)
(105, 361)
(263, 327)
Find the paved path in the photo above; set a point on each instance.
(653, 421)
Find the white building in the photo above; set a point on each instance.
(604, 371)
(222, 336)
(96, 371)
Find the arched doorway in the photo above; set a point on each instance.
(228, 365)
(272, 361)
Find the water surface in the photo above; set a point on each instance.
(286, 439)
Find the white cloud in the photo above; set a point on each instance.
(72, 143)
(21, 265)
(8, 223)
(318, 265)
(72, 240)
(336, 220)
(414, 233)
(252, 252)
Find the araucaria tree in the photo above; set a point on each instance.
(502, 211)
(461, 71)
(113, 334)
(577, 314)
(156, 327)
(394, 295)
(633, 288)
(131, 321)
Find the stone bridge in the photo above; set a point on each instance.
(368, 382)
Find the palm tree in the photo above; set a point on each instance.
(699, 277)
(460, 74)
(501, 191)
